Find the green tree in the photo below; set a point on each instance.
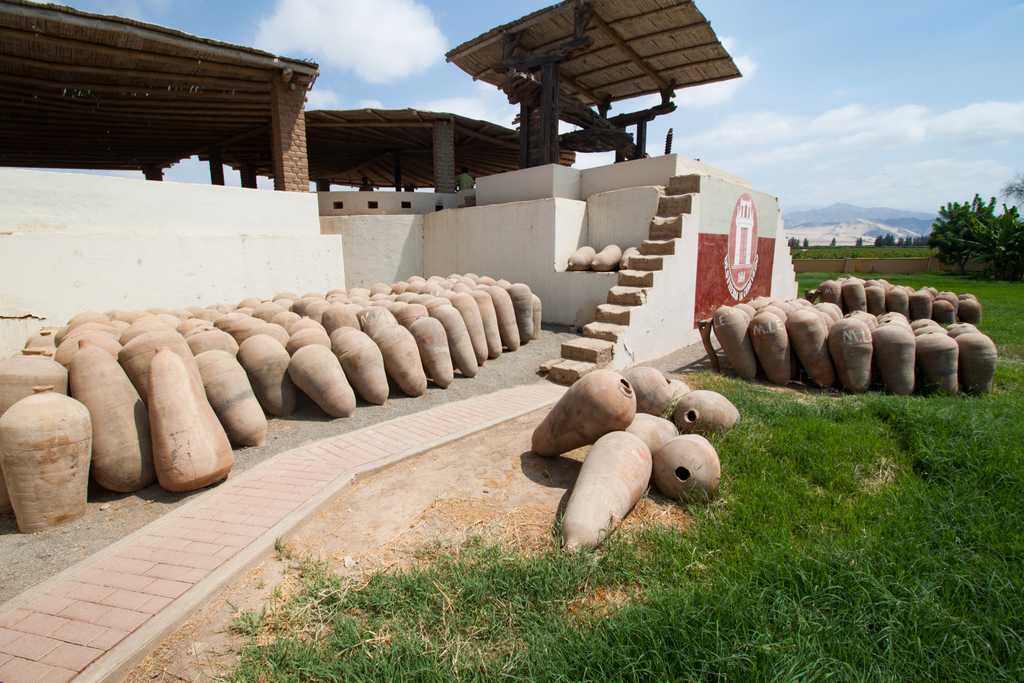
(878, 241)
(999, 242)
(860, 241)
(833, 242)
(806, 243)
(953, 231)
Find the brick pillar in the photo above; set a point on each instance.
(288, 124)
(153, 172)
(444, 156)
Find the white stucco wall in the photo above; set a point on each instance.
(621, 217)
(538, 182)
(357, 203)
(44, 201)
(652, 171)
(718, 199)
(378, 248)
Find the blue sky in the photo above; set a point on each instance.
(905, 104)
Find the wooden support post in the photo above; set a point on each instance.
(323, 185)
(248, 176)
(641, 139)
(705, 336)
(396, 169)
(216, 168)
(524, 135)
(153, 172)
(549, 113)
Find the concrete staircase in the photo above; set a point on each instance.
(602, 343)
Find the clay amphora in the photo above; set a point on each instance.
(18, 374)
(210, 340)
(875, 297)
(943, 312)
(401, 359)
(607, 259)
(459, 344)
(601, 401)
(920, 305)
(808, 335)
(854, 298)
(363, 364)
(316, 371)
(770, 340)
(893, 352)
(937, 357)
(582, 259)
(976, 362)
(466, 306)
(898, 301)
(305, 338)
(704, 412)
(266, 363)
(507, 327)
(654, 431)
(654, 392)
(489, 317)
(969, 311)
(432, 342)
(849, 343)
(522, 306)
(687, 469)
(231, 396)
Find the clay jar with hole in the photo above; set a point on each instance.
(654, 392)
(732, 328)
(613, 476)
(704, 412)
(601, 401)
(45, 445)
(655, 432)
(687, 469)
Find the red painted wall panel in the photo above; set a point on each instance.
(712, 285)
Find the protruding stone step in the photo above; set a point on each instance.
(596, 351)
(613, 313)
(627, 296)
(657, 247)
(636, 278)
(674, 204)
(644, 263)
(546, 366)
(683, 184)
(666, 228)
(568, 371)
(607, 331)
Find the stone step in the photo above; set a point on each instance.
(674, 204)
(597, 351)
(657, 247)
(644, 262)
(683, 184)
(662, 228)
(627, 296)
(567, 372)
(607, 331)
(613, 313)
(636, 278)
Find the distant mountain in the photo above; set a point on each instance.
(846, 223)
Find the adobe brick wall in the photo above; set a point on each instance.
(444, 156)
(288, 123)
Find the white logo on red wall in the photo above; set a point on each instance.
(741, 256)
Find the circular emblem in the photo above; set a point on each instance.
(741, 255)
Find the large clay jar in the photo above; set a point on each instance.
(266, 363)
(18, 374)
(831, 292)
(654, 392)
(808, 335)
(144, 325)
(45, 442)
(627, 253)
(655, 432)
(849, 343)
(943, 312)
(770, 340)
(137, 355)
(582, 259)
(507, 327)
(338, 315)
(601, 401)
(538, 310)
(470, 312)
(830, 311)
(969, 311)
(212, 340)
(362, 362)
(522, 306)
(958, 329)
(122, 456)
(489, 317)
(190, 448)
(306, 337)
(432, 342)
(704, 412)
(411, 312)
(316, 371)
(920, 305)
(937, 356)
(460, 346)
(732, 328)
(687, 469)
(402, 359)
(375, 318)
(69, 347)
(231, 396)
(898, 301)
(854, 298)
(875, 298)
(315, 309)
(893, 351)
(614, 475)
(266, 311)
(976, 363)
(607, 259)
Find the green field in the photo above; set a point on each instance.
(861, 252)
(866, 537)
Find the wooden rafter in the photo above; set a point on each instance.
(631, 53)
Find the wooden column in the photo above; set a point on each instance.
(248, 176)
(396, 169)
(323, 185)
(524, 135)
(549, 113)
(641, 139)
(153, 172)
(216, 168)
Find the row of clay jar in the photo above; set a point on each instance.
(796, 340)
(881, 296)
(642, 429)
(608, 259)
(244, 366)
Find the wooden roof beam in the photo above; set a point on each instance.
(631, 53)
(655, 55)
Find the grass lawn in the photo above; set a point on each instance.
(861, 252)
(865, 537)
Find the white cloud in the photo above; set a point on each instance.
(371, 104)
(486, 102)
(378, 41)
(323, 98)
(714, 94)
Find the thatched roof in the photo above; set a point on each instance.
(344, 146)
(637, 47)
(82, 90)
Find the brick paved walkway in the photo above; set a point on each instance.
(93, 621)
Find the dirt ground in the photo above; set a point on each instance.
(487, 485)
(27, 559)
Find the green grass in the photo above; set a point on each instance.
(866, 537)
(861, 252)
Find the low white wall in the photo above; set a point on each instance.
(357, 203)
(621, 217)
(81, 203)
(718, 199)
(538, 182)
(378, 248)
(651, 171)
